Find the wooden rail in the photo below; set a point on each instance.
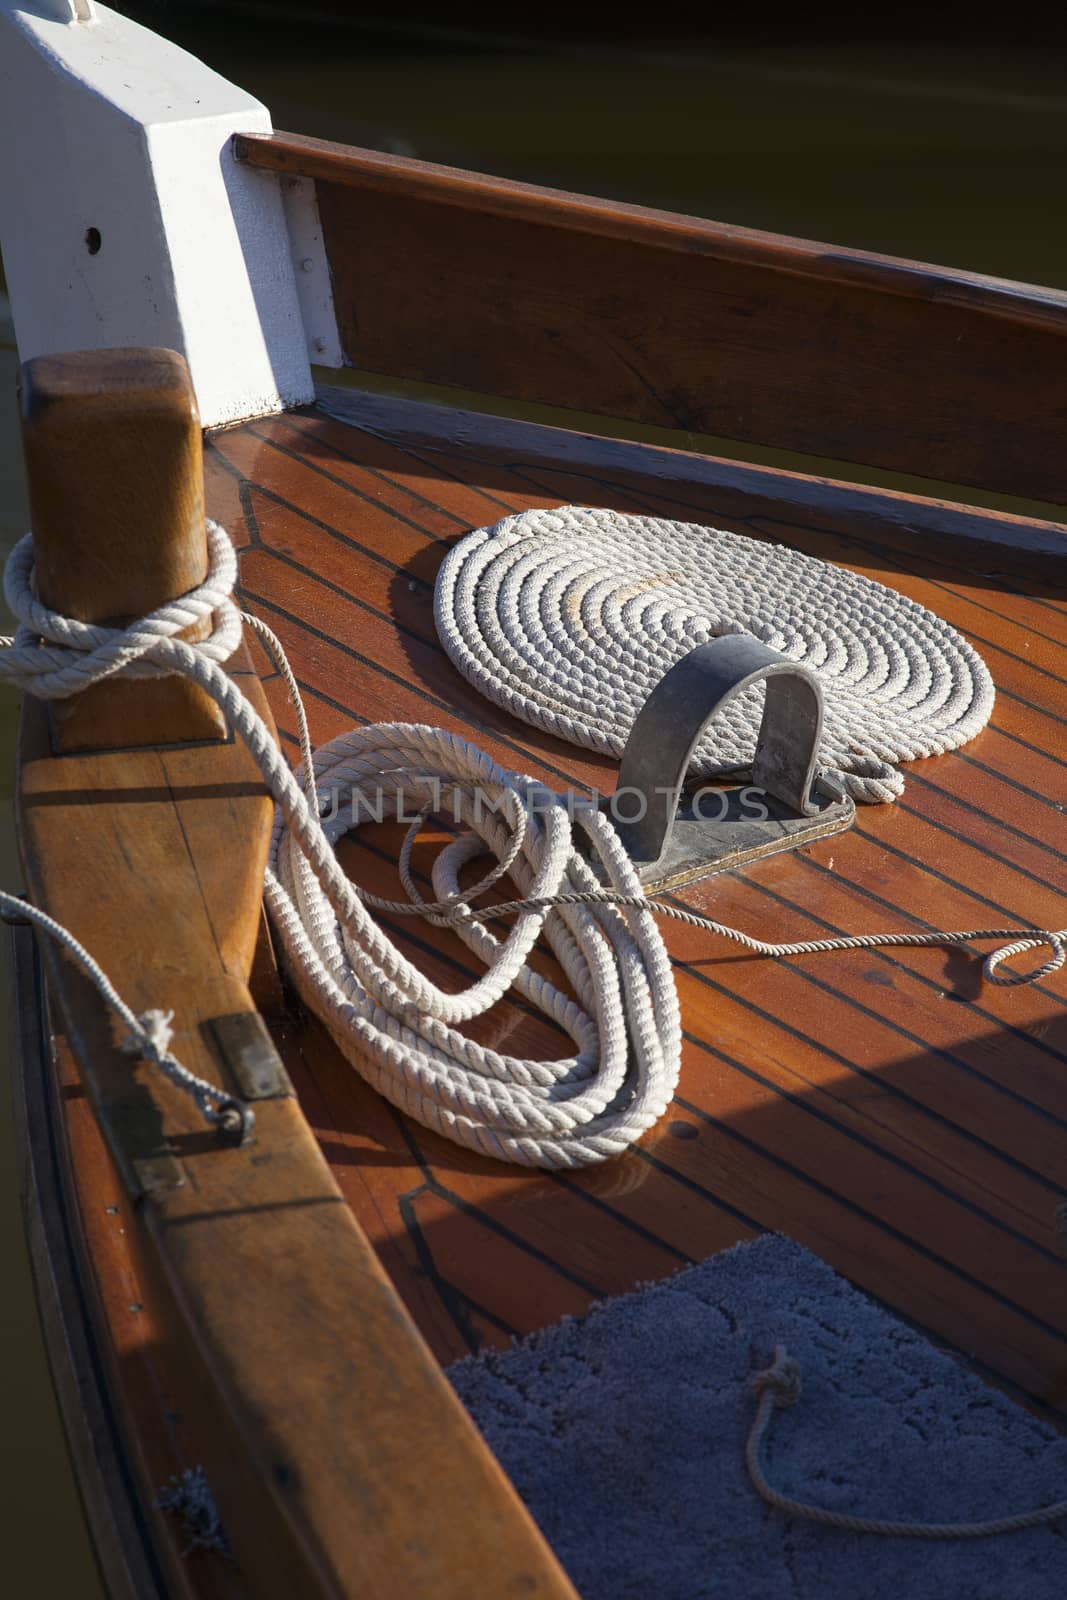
(341, 1459)
(504, 288)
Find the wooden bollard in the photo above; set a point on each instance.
(116, 482)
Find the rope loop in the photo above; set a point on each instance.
(53, 656)
(1055, 942)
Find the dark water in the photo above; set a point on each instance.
(946, 152)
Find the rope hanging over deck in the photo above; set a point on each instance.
(569, 618)
(398, 1028)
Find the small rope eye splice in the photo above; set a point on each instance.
(403, 1033)
(777, 1388)
(149, 1038)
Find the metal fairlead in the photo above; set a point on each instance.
(673, 838)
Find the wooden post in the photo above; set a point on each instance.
(116, 480)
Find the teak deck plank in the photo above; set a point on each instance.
(886, 1109)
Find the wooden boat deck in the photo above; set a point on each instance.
(887, 1110)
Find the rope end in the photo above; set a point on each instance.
(152, 1036)
(781, 1378)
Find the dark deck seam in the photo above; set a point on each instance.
(376, 473)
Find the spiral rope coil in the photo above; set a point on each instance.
(397, 1027)
(569, 618)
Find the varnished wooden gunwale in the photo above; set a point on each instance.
(682, 323)
(341, 1461)
(907, 1125)
(350, 167)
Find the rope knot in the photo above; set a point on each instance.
(782, 1378)
(152, 1035)
(53, 656)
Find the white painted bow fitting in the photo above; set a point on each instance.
(125, 221)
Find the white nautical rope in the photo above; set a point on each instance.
(148, 1035)
(777, 1388)
(53, 656)
(400, 1029)
(569, 618)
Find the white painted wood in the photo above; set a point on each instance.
(64, 10)
(124, 219)
(312, 272)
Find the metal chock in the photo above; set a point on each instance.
(676, 834)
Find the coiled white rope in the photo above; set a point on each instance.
(399, 1029)
(569, 618)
